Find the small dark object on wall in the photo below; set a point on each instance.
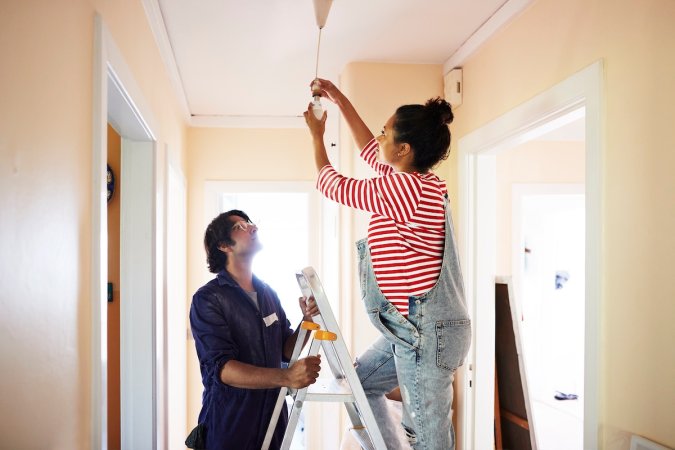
(110, 182)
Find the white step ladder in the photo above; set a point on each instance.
(344, 386)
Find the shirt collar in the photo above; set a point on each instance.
(225, 279)
(428, 175)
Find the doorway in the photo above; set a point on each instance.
(578, 96)
(143, 362)
(549, 272)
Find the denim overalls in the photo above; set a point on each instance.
(420, 353)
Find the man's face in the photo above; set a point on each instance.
(244, 236)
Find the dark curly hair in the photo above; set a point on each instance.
(219, 232)
(425, 128)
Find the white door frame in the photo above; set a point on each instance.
(549, 110)
(118, 100)
(174, 369)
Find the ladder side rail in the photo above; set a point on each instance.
(361, 399)
(366, 413)
(339, 346)
(299, 343)
(353, 413)
(315, 286)
(296, 409)
(325, 318)
(368, 417)
(281, 398)
(275, 418)
(361, 436)
(333, 358)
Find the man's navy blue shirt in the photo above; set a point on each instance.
(226, 325)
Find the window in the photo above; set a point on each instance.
(287, 216)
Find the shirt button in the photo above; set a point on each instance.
(417, 302)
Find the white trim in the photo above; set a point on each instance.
(131, 96)
(158, 350)
(156, 20)
(138, 306)
(223, 121)
(153, 11)
(122, 112)
(477, 199)
(175, 294)
(640, 443)
(118, 100)
(504, 15)
(593, 78)
(482, 289)
(528, 121)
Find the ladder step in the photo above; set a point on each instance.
(330, 390)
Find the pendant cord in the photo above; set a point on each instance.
(318, 45)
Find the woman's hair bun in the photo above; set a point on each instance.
(437, 107)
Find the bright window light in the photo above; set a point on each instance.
(283, 220)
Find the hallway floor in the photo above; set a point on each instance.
(559, 425)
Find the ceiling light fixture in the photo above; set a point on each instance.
(321, 10)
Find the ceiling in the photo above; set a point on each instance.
(248, 63)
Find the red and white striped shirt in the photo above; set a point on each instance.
(406, 234)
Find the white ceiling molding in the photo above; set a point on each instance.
(248, 121)
(158, 27)
(508, 11)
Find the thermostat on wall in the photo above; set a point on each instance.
(453, 87)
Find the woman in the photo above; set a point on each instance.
(409, 270)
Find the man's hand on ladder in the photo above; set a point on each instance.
(308, 307)
(303, 372)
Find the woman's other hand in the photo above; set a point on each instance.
(317, 127)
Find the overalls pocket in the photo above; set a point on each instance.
(453, 338)
(397, 333)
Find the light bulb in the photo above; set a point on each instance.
(317, 108)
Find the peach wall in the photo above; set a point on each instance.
(233, 155)
(532, 162)
(45, 206)
(549, 42)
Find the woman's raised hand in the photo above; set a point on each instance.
(326, 89)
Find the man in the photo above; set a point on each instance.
(242, 336)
